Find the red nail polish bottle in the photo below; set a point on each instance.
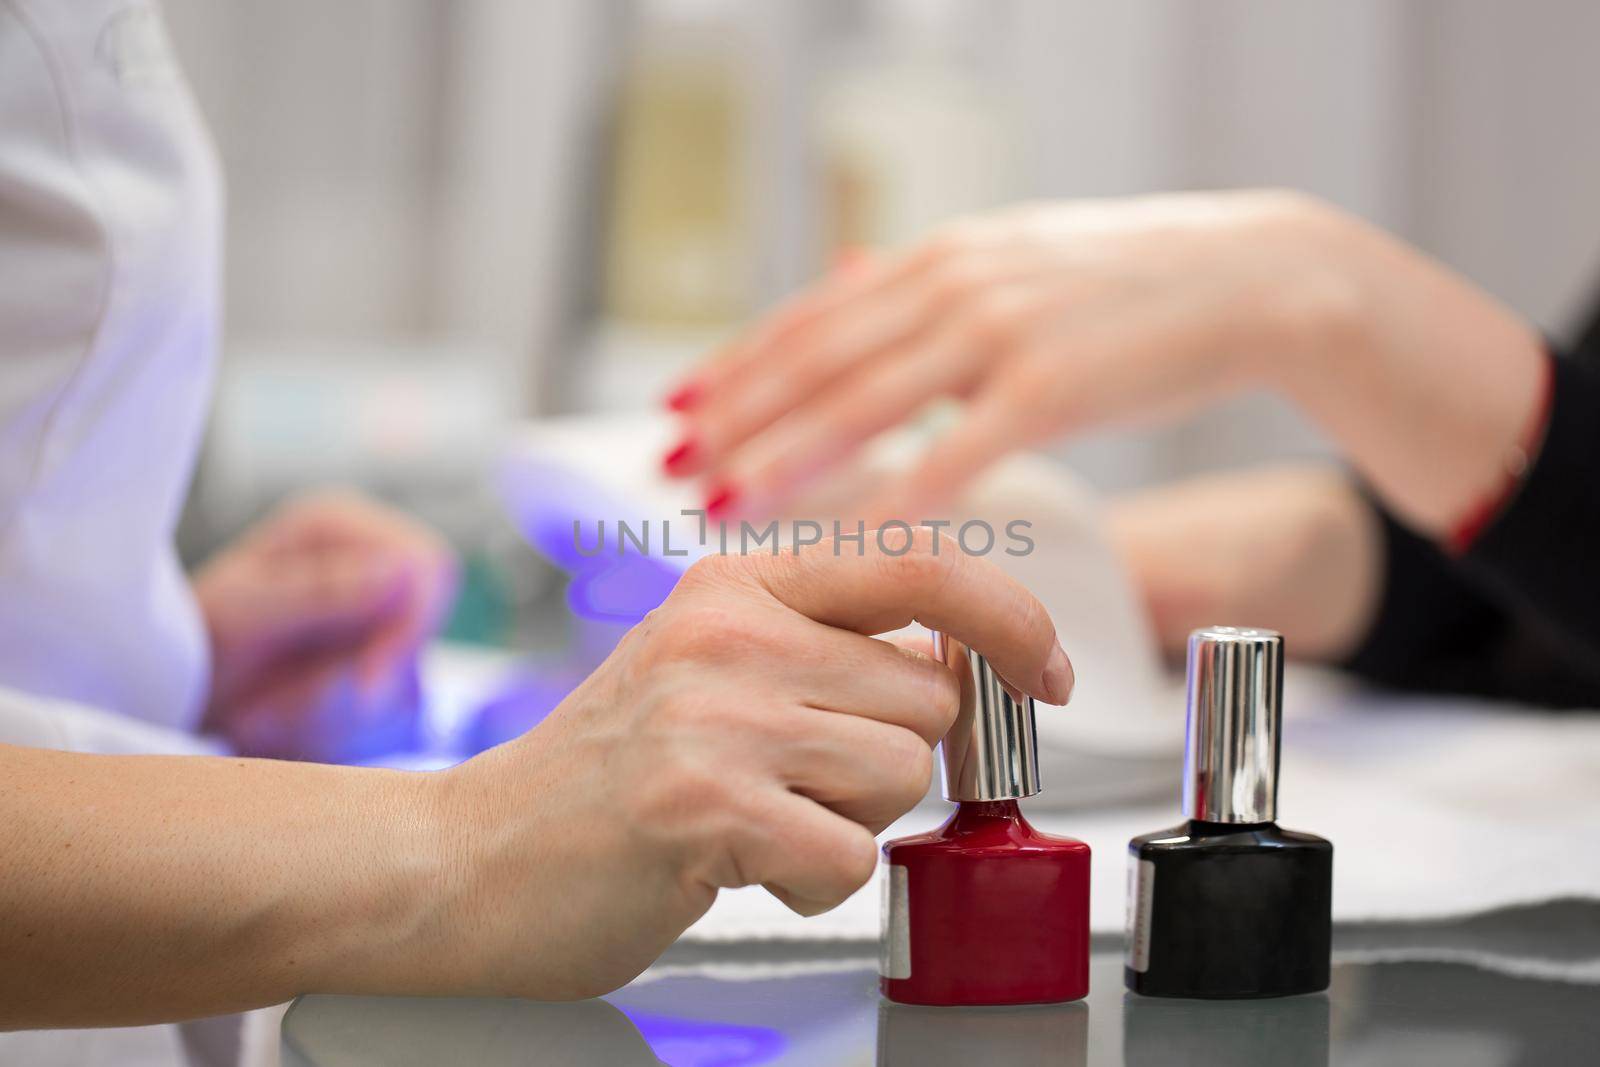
(985, 909)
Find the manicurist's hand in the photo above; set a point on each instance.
(750, 731)
(1054, 319)
(315, 618)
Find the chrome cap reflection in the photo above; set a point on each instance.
(990, 752)
(1230, 760)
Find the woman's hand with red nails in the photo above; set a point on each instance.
(1054, 319)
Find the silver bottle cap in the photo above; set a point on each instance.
(990, 752)
(1230, 759)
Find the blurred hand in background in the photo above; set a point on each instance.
(316, 616)
(1054, 319)
(1295, 547)
(1050, 320)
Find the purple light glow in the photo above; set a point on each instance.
(607, 585)
(697, 1043)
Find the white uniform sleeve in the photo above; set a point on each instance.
(109, 258)
(40, 722)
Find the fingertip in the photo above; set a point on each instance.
(685, 396)
(682, 460)
(1059, 677)
(801, 906)
(721, 499)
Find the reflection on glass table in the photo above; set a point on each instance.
(1519, 987)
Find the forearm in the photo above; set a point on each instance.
(1475, 439)
(140, 889)
(1426, 383)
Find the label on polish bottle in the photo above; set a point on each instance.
(894, 922)
(1141, 896)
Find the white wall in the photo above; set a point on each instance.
(1472, 128)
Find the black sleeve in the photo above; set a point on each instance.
(1518, 616)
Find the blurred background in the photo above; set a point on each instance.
(449, 215)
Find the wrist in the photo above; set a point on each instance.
(1516, 463)
(1321, 314)
(1426, 384)
(389, 931)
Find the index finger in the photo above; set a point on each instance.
(870, 589)
(750, 349)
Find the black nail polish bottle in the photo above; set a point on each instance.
(1228, 904)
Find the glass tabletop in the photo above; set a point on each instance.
(1520, 987)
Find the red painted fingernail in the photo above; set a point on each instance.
(720, 500)
(680, 459)
(684, 397)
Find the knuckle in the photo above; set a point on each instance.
(708, 630)
(728, 865)
(925, 565)
(686, 720)
(797, 378)
(845, 862)
(703, 790)
(706, 571)
(910, 769)
(992, 320)
(703, 633)
(1034, 376)
(688, 792)
(729, 850)
(932, 543)
(940, 247)
(1031, 616)
(855, 859)
(955, 279)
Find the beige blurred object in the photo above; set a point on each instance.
(909, 137)
(678, 246)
